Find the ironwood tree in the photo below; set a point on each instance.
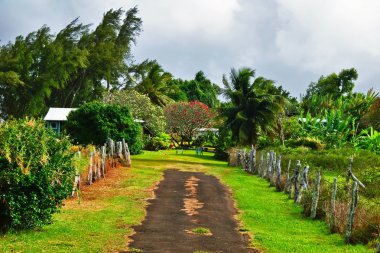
(70, 68)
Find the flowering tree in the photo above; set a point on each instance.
(183, 118)
(141, 108)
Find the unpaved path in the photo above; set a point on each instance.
(185, 201)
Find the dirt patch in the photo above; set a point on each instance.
(183, 199)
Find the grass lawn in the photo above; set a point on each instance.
(103, 219)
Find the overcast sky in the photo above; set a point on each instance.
(292, 42)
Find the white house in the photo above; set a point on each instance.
(56, 116)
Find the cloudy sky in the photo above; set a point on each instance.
(292, 42)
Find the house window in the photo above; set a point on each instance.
(53, 125)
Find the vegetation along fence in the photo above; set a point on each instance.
(100, 160)
(337, 202)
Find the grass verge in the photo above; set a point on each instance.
(104, 218)
(99, 223)
(273, 221)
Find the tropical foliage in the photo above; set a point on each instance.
(35, 173)
(152, 80)
(251, 108)
(141, 108)
(95, 122)
(200, 89)
(74, 66)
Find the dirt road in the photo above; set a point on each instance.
(192, 212)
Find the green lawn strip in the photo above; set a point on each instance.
(275, 223)
(98, 229)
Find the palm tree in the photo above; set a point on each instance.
(154, 82)
(251, 108)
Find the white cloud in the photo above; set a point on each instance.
(319, 34)
(291, 41)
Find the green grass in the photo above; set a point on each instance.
(201, 231)
(274, 222)
(101, 223)
(94, 225)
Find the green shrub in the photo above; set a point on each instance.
(35, 174)
(162, 141)
(309, 142)
(223, 143)
(94, 123)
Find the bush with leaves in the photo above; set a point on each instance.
(95, 122)
(36, 173)
(141, 108)
(161, 141)
(368, 139)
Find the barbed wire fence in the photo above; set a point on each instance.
(100, 161)
(334, 201)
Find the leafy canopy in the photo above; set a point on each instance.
(95, 122)
(141, 108)
(67, 69)
(36, 173)
(251, 107)
(184, 118)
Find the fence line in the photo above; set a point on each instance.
(100, 160)
(269, 168)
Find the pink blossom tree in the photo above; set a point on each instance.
(184, 118)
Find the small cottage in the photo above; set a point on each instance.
(56, 117)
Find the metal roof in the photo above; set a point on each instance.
(58, 114)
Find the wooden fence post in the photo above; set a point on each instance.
(303, 183)
(261, 165)
(349, 172)
(127, 155)
(103, 149)
(99, 164)
(272, 165)
(250, 161)
(287, 177)
(278, 173)
(76, 185)
(253, 161)
(333, 196)
(89, 178)
(296, 180)
(314, 203)
(351, 214)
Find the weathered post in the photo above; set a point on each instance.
(119, 148)
(269, 165)
(261, 165)
(351, 214)
(76, 185)
(244, 160)
(238, 157)
(287, 177)
(127, 155)
(333, 196)
(314, 203)
(250, 161)
(271, 168)
(99, 164)
(295, 180)
(349, 172)
(254, 164)
(89, 178)
(103, 149)
(303, 183)
(278, 173)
